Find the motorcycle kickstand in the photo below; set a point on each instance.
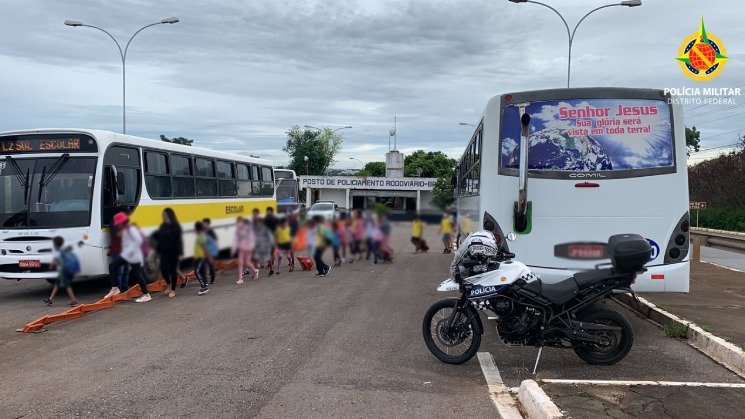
(538, 358)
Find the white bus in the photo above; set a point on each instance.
(600, 161)
(288, 190)
(70, 183)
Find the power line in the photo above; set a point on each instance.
(724, 117)
(718, 147)
(708, 137)
(716, 110)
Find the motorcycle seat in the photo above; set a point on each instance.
(558, 293)
(587, 279)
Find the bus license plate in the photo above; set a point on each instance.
(29, 264)
(586, 251)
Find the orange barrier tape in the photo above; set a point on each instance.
(108, 302)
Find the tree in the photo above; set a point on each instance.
(433, 164)
(373, 169)
(176, 140)
(320, 147)
(692, 139)
(443, 193)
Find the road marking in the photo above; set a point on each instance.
(722, 266)
(498, 392)
(644, 383)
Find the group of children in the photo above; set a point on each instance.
(258, 243)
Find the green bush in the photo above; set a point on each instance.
(676, 331)
(729, 219)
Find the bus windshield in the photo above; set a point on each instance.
(50, 192)
(287, 191)
(588, 135)
(283, 174)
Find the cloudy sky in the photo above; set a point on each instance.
(236, 75)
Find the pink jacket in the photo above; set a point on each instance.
(245, 239)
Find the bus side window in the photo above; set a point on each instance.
(121, 167)
(267, 181)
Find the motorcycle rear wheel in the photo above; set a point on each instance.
(452, 345)
(619, 343)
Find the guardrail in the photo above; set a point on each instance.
(730, 240)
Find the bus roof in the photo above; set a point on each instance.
(107, 137)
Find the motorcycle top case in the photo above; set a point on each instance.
(629, 252)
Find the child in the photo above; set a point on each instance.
(320, 241)
(64, 274)
(335, 242)
(243, 245)
(446, 229)
(357, 229)
(284, 244)
(211, 235)
(343, 232)
(131, 255)
(417, 230)
(264, 245)
(201, 257)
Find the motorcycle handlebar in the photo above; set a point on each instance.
(507, 255)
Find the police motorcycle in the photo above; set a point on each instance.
(529, 312)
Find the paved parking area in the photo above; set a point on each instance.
(584, 401)
(348, 345)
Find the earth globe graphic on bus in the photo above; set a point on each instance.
(554, 149)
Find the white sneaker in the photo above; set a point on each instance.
(145, 298)
(113, 292)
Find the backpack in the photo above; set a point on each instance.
(145, 245)
(70, 263)
(211, 245)
(305, 263)
(331, 237)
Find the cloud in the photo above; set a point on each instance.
(241, 73)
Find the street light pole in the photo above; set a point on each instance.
(570, 34)
(333, 131)
(361, 162)
(123, 55)
(466, 123)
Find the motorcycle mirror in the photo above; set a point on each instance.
(511, 236)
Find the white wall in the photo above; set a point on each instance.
(337, 195)
(426, 204)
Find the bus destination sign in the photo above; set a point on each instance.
(55, 143)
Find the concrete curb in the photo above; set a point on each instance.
(716, 348)
(536, 403)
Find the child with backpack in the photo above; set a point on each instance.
(334, 239)
(211, 246)
(322, 239)
(135, 248)
(201, 257)
(68, 266)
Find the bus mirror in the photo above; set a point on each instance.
(525, 122)
(121, 183)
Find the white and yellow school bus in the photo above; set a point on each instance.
(71, 182)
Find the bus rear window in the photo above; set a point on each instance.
(588, 135)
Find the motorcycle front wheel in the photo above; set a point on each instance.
(614, 346)
(452, 344)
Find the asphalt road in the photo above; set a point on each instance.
(348, 345)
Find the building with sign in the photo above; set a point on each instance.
(405, 196)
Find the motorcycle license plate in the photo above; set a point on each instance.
(29, 264)
(479, 248)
